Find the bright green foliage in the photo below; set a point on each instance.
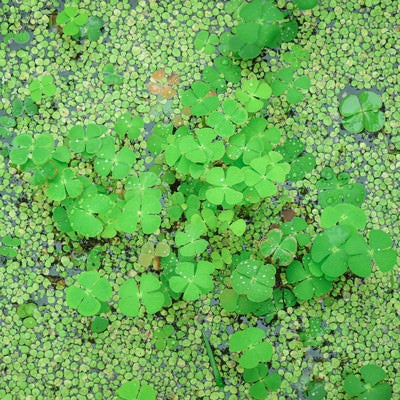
(295, 227)
(200, 99)
(192, 279)
(108, 161)
(334, 190)
(370, 386)
(263, 383)
(99, 324)
(158, 140)
(223, 123)
(344, 214)
(150, 294)
(281, 299)
(42, 88)
(300, 164)
(5, 124)
(283, 83)
(7, 244)
(264, 171)
(92, 28)
(28, 313)
(149, 251)
(223, 182)
(110, 77)
(204, 42)
(338, 248)
(316, 391)
(295, 56)
(19, 108)
(254, 279)
(64, 184)
(21, 37)
(252, 94)
(130, 126)
(37, 148)
(282, 249)
(264, 25)
(307, 278)
(224, 222)
(313, 336)
(362, 112)
(253, 141)
(86, 140)
(133, 390)
(71, 18)
(93, 261)
(143, 202)
(222, 71)
(180, 204)
(164, 338)
(382, 251)
(306, 4)
(88, 293)
(250, 343)
(188, 242)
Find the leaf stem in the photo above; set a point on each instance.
(217, 375)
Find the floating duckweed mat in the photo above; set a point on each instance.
(99, 99)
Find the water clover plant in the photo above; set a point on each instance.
(42, 88)
(305, 4)
(222, 191)
(295, 56)
(254, 279)
(88, 293)
(21, 107)
(133, 390)
(262, 382)
(129, 126)
(253, 94)
(86, 140)
(7, 245)
(370, 386)
(200, 98)
(334, 189)
(283, 83)
(72, 19)
(362, 112)
(263, 25)
(92, 28)
(192, 279)
(151, 253)
(282, 249)
(205, 42)
(164, 338)
(64, 184)
(110, 77)
(29, 314)
(250, 342)
(150, 295)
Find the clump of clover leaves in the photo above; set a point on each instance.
(7, 245)
(200, 98)
(150, 253)
(253, 94)
(133, 390)
(370, 386)
(283, 82)
(313, 335)
(262, 24)
(149, 293)
(129, 126)
(255, 352)
(223, 71)
(205, 42)
(6, 123)
(334, 189)
(163, 85)
(29, 314)
(165, 338)
(110, 77)
(362, 112)
(296, 56)
(22, 37)
(42, 88)
(88, 293)
(23, 107)
(78, 24)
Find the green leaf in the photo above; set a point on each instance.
(128, 302)
(132, 390)
(372, 374)
(306, 4)
(352, 385)
(99, 324)
(384, 255)
(254, 279)
(343, 214)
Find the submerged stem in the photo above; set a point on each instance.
(217, 375)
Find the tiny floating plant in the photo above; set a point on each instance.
(217, 375)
